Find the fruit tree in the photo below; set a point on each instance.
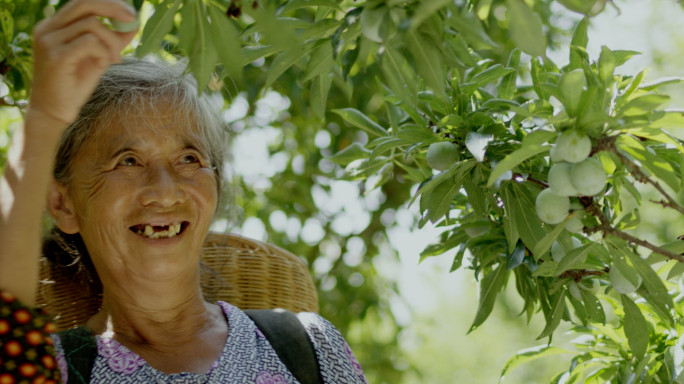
(525, 163)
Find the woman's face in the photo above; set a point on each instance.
(143, 193)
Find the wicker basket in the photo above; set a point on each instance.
(246, 273)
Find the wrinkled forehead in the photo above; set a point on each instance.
(150, 127)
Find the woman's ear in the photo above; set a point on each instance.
(61, 208)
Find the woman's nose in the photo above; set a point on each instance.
(163, 187)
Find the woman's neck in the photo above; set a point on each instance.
(156, 315)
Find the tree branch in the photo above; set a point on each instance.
(608, 229)
(580, 273)
(608, 144)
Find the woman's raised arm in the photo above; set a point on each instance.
(72, 51)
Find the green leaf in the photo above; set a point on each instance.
(426, 9)
(545, 244)
(439, 200)
(202, 58)
(514, 158)
(398, 74)
(249, 54)
(286, 59)
(489, 288)
(507, 87)
(493, 73)
(652, 86)
(571, 86)
(498, 105)
(477, 144)
(414, 174)
(386, 146)
(530, 354)
(527, 221)
(352, 152)
(574, 257)
(435, 180)
(7, 25)
(606, 66)
(357, 119)
(622, 57)
(226, 41)
(157, 27)
(321, 62)
(546, 269)
(470, 27)
(525, 27)
(319, 28)
(440, 248)
(320, 87)
(580, 6)
(643, 104)
(536, 72)
(296, 4)
(188, 27)
(362, 168)
(579, 39)
(651, 281)
(593, 306)
(428, 61)
(509, 223)
(555, 316)
(476, 196)
(516, 257)
(635, 328)
(539, 137)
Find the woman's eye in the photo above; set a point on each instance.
(189, 159)
(129, 161)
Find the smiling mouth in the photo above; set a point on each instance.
(159, 232)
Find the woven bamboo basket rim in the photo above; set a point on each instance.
(244, 272)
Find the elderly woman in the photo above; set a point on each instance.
(134, 185)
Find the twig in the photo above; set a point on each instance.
(541, 183)
(608, 144)
(580, 273)
(608, 229)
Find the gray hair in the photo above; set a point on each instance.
(133, 87)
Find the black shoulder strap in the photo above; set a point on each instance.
(80, 352)
(290, 341)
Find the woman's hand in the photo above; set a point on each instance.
(72, 50)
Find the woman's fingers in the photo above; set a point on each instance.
(89, 25)
(78, 9)
(83, 53)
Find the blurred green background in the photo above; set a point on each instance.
(406, 321)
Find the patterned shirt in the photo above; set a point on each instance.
(247, 357)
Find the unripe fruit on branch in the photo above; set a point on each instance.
(572, 146)
(476, 232)
(575, 291)
(126, 27)
(575, 225)
(559, 180)
(441, 156)
(551, 208)
(558, 252)
(555, 157)
(588, 177)
(620, 283)
(590, 285)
